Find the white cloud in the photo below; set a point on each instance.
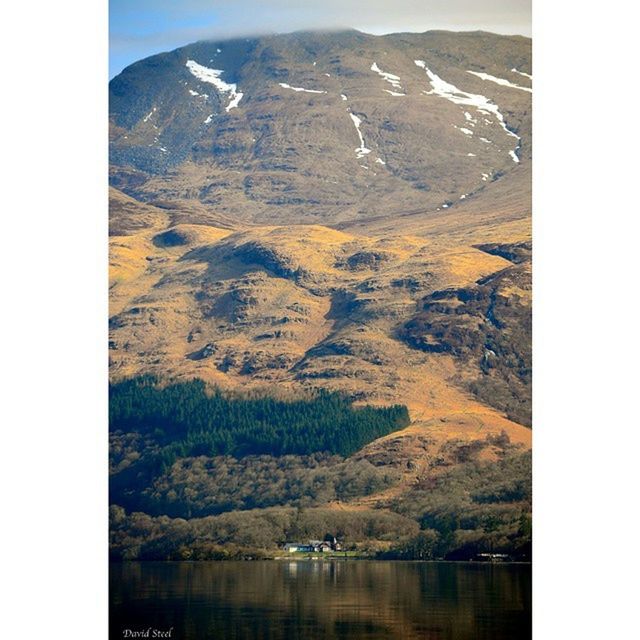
(204, 19)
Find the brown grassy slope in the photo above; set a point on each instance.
(128, 216)
(292, 307)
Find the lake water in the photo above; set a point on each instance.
(308, 600)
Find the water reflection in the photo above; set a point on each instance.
(322, 599)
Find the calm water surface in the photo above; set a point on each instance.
(308, 600)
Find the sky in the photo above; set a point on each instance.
(140, 28)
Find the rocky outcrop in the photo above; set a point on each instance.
(269, 258)
(365, 260)
(516, 252)
(487, 326)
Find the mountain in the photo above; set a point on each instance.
(334, 211)
(258, 128)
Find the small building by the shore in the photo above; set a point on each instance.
(492, 557)
(292, 547)
(313, 546)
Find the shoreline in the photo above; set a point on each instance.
(322, 559)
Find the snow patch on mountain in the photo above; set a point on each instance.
(464, 130)
(500, 81)
(212, 76)
(361, 151)
(444, 89)
(393, 80)
(146, 118)
(522, 73)
(234, 101)
(284, 85)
